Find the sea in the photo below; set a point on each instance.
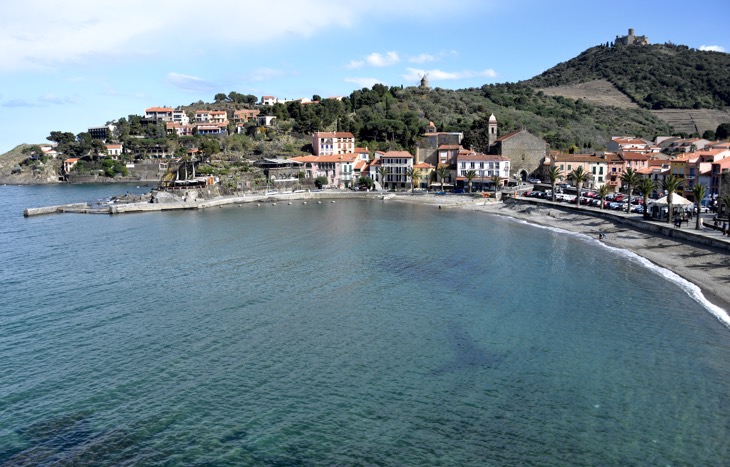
(353, 333)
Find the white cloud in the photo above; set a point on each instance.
(414, 74)
(190, 83)
(35, 36)
(20, 103)
(379, 60)
(422, 58)
(355, 64)
(712, 48)
(53, 99)
(264, 74)
(364, 82)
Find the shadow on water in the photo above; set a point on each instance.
(71, 440)
(466, 353)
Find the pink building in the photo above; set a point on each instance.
(326, 143)
(338, 168)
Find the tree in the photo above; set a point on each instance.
(383, 173)
(603, 192)
(210, 147)
(98, 148)
(414, 174)
(723, 131)
(631, 179)
(646, 186)
(578, 176)
(220, 97)
(470, 176)
(321, 181)
(442, 171)
(366, 182)
(670, 185)
(554, 175)
(497, 183)
(699, 191)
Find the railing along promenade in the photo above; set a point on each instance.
(706, 235)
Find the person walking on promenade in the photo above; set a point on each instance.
(724, 228)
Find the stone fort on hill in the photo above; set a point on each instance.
(630, 39)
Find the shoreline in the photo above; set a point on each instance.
(704, 266)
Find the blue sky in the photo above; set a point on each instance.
(81, 63)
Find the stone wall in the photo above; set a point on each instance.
(525, 151)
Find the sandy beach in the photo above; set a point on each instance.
(706, 267)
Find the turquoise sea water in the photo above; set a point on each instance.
(353, 333)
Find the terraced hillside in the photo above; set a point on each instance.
(602, 92)
(693, 120)
(598, 92)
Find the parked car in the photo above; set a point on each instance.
(533, 180)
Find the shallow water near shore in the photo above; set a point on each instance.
(356, 332)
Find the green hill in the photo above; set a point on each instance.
(654, 77)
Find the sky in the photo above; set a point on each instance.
(71, 65)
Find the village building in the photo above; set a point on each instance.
(525, 151)
(102, 133)
(327, 143)
(484, 167)
(159, 113)
(114, 150)
(337, 168)
(397, 165)
(595, 166)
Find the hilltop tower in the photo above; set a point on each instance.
(631, 39)
(424, 82)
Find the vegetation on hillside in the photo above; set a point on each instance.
(662, 76)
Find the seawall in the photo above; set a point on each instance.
(704, 237)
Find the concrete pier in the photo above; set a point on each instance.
(75, 207)
(122, 208)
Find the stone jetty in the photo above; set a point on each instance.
(179, 204)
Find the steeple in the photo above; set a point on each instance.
(492, 129)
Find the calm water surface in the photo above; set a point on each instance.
(353, 333)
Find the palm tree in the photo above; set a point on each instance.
(470, 176)
(646, 186)
(554, 174)
(414, 174)
(631, 179)
(383, 172)
(699, 191)
(603, 192)
(670, 185)
(497, 183)
(442, 171)
(579, 177)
